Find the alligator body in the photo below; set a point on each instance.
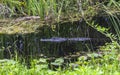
(59, 39)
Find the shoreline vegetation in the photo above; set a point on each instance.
(24, 23)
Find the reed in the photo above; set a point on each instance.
(114, 18)
(106, 62)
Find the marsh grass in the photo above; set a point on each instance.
(41, 8)
(107, 64)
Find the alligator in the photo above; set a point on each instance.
(60, 39)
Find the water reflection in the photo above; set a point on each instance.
(76, 36)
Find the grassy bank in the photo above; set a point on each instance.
(106, 62)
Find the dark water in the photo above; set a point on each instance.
(67, 38)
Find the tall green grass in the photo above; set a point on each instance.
(45, 8)
(113, 12)
(32, 7)
(114, 16)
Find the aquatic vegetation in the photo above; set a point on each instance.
(19, 27)
(65, 37)
(105, 65)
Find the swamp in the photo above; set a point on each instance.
(59, 37)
